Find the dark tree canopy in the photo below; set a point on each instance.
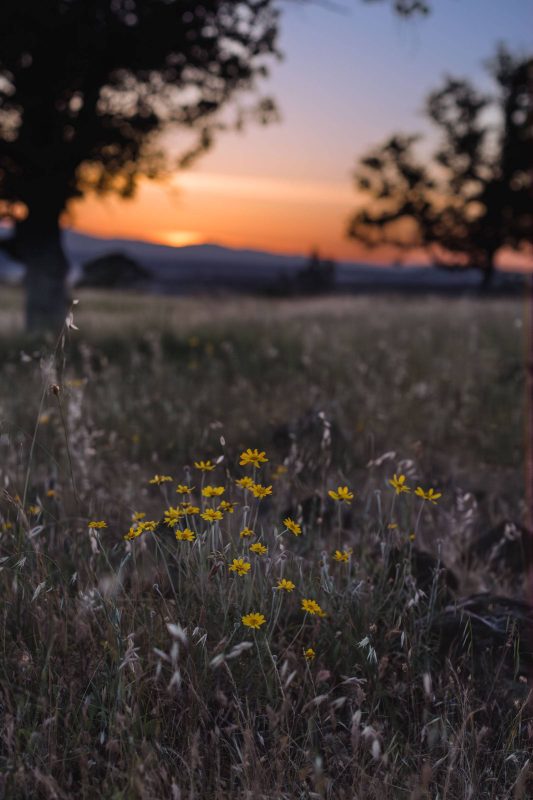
(474, 196)
(85, 86)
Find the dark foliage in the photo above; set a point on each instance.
(506, 547)
(424, 569)
(474, 196)
(485, 624)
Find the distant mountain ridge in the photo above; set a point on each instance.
(180, 269)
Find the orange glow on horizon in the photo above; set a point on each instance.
(272, 214)
(178, 238)
(291, 217)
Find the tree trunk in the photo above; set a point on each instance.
(39, 248)
(488, 271)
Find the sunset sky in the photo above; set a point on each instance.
(348, 80)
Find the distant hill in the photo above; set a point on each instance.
(184, 269)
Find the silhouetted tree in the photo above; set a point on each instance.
(86, 86)
(474, 195)
(317, 276)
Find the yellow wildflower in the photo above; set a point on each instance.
(253, 457)
(261, 491)
(34, 510)
(173, 516)
(51, 493)
(253, 620)
(204, 466)
(213, 491)
(225, 505)
(292, 526)
(133, 533)
(280, 470)
(182, 488)
(188, 509)
(312, 607)
(343, 494)
(211, 515)
(398, 483)
(247, 532)
(284, 584)
(309, 654)
(97, 524)
(259, 548)
(392, 526)
(159, 479)
(245, 483)
(138, 515)
(240, 566)
(148, 525)
(342, 555)
(185, 535)
(430, 495)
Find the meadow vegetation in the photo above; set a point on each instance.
(214, 582)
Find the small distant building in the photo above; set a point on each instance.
(114, 271)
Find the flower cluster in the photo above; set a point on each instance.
(398, 483)
(140, 527)
(203, 518)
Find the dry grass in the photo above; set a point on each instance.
(126, 669)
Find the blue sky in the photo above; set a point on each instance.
(349, 79)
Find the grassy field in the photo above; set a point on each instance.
(127, 670)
